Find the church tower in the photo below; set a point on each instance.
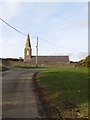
(27, 50)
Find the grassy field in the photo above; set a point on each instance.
(66, 89)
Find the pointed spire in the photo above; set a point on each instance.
(28, 41)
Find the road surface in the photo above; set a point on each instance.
(19, 100)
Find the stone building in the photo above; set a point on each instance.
(43, 60)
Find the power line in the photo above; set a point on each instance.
(55, 44)
(33, 36)
(12, 27)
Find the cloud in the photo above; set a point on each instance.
(0, 41)
(81, 19)
(78, 56)
(86, 10)
(8, 10)
(83, 22)
(13, 48)
(45, 0)
(82, 55)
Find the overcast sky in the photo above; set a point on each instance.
(63, 24)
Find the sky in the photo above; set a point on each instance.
(62, 28)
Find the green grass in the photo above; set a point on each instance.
(26, 65)
(66, 88)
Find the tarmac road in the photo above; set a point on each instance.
(19, 100)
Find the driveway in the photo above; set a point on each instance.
(19, 100)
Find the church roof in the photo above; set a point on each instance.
(50, 59)
(28, 44)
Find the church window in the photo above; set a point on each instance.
(27, 52)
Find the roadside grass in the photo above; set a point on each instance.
(0, 67)
(67, 90)
(26, 65)
(3, 68)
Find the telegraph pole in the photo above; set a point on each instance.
(37, 53)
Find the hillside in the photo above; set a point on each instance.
(84, 63)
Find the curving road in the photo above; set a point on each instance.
(19, 100)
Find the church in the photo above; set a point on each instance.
(43, 60)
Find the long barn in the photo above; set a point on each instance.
(50, 60)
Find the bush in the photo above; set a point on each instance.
(84, 63)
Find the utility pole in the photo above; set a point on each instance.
(37, 53)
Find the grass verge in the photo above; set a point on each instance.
(3, 68)
(66, 91)
(26, 65)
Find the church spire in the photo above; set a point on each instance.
(27, 50)
(28, 44)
